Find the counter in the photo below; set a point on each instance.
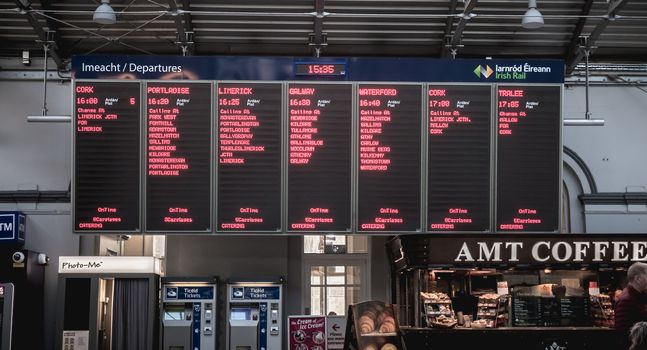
(526, 338)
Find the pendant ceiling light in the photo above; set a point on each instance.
(104, 14)
(532, 19)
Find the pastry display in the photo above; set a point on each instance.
(443, 321)
(389, 346)
(366, 324)
(375, 326)
(491, 310)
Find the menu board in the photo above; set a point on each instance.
(106, 156)
(319, 153)
(458, 187)
(178, 156)
(249, 156)
(528, 158)
(389, 157)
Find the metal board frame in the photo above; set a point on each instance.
(284, 230)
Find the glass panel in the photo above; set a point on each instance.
(335, 245)
(357, 245)
(317, 274)
(313, 244)
(316, 300)
(335, 275)
(352, 275)
(353, 295)
(335, 300)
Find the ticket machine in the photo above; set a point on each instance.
(6, 315)
(254, 316)
(189, 313)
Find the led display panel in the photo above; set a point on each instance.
(528, 158)
(249, 156)
(178, 156)
(458, 166)
(106, 156)
(389, 157)
(319, 157)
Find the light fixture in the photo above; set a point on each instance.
(104, 14)
(532, 19)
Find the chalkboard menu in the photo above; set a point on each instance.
(106, 156)
(458, 188)
(249, 156)
(389, 157)
(528, 158)
(319, 153)
(178, 154)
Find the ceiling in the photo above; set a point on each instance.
(427, 28)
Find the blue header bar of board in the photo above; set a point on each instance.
(283, 68)
(256, 293)
(188, 293)
(12, 227)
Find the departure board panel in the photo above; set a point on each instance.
(458, 187)
(528, 158)
(390, 119)
(107, 156)
(319, 153)
(178, 154)
(249, 156)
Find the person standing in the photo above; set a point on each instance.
(631, 306)
(638, 336)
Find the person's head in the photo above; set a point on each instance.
(638, 336)
(637, 275)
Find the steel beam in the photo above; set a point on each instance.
(188, 25)
(458, 33)
(179, 25)
(317, 33)
(41, 32)
(575, 39)
(576, 54)
(449, 23)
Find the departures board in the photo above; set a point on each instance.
(312, 155)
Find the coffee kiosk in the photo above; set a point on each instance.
(545, 291)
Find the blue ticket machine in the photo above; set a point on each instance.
(254, 316)
(189, 314)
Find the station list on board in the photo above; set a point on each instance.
(458, 164)
(178, 151)
(319, 153)
(106, 156)
(249, 156)
(528, 158)
(389, 157)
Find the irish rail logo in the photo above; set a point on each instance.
(483, 71)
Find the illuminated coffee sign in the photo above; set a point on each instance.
(557, 251)
(472, 250)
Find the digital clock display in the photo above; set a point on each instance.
(322, 69)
